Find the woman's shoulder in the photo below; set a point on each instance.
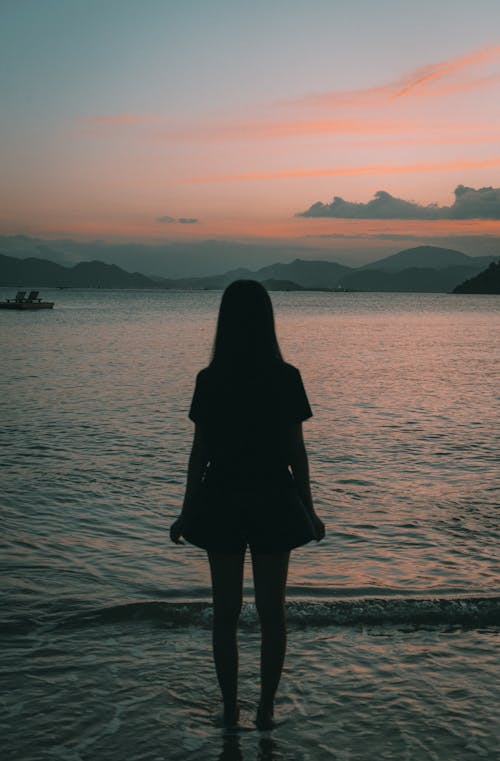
(209, 378)
(282, 370)
(285, 375)
(203, 375)
(290, 371)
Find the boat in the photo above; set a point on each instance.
(20, 301)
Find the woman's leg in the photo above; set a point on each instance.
(227, 589)
(270, 573)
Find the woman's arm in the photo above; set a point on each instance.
(196, 466)
(300, 469)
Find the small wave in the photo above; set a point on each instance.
(469, 612)
(472, 612)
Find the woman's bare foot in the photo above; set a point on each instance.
(264, 719)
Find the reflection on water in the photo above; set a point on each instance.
(231, 750)
(268, 748)
(403, 448)
(403, 443)
(144, 692)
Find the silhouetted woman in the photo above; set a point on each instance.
(248, 483)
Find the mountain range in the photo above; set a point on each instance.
(164, 259)
(420, 269)
(41, 272)
(488, 281)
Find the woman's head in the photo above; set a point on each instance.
(245, 332)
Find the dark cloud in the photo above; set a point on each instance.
(366, 236)
(483, 203)
(177, 220)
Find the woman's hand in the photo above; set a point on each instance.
(176, 530)
(319, 527)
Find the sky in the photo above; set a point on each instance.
(189, 120)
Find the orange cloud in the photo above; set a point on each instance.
(456, 88)
(431, 80)
(441, 137)
(353, 228)
(362, 127)
(438, 70)
(120, 120)
(412, 83)
(292, 128)
(251, 229)
(352, 171)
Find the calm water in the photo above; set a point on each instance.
(394, 617)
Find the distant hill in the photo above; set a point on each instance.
(167, 259)
(309, 274)
(410, 280)
(299, 274)
(432, 257)
(208, 282)
(281, 285)
(40, 272)
(407, 271)
(487, 281)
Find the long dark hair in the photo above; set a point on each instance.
(245, 338)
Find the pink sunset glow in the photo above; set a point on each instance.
(374, 170)
(243, 161)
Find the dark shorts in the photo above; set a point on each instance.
(268, 517)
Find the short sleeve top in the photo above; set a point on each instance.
(246, 420)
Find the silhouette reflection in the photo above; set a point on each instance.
(268, 748)
(231, 749)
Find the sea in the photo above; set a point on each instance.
(394, 618)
